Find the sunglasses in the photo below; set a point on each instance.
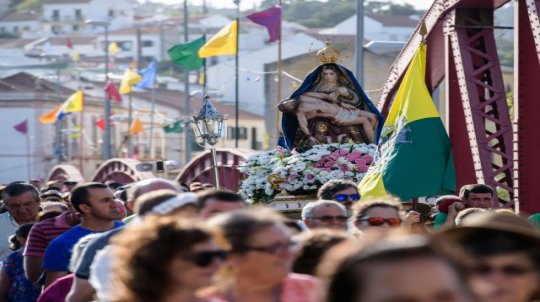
(204, 259)
(271, 249)
(379, 221)
(330, 219)
(345, 197)
(508, 270)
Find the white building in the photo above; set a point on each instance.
(20, 23)
(376, 28)
(68, 16)
(252, 90)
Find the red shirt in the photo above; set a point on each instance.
(44, 232)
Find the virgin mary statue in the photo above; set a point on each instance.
(330, 106)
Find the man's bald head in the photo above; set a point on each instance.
(149, 185)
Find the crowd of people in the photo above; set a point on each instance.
(156, 240)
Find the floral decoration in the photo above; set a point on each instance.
(271, 172)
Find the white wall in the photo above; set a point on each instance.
(16, 27)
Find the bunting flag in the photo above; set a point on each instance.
(130, 78)
(22, 127)
(136, 127)
(113, 48)
(68, 43)
(76, 132)
(186, 54)
(75, 56)
(269, 18)
(414, 158)
(148, 76)
(101, 123)
(74, 103)
(175, 127)
(112, 91)
(222, 43)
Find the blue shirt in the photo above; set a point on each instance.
(58, 253)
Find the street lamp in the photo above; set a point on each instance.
(106, 154)
(208, 126)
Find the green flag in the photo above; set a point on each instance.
(186, 54)
(414, 157)
(175, 127)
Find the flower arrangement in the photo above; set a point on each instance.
(271, 172)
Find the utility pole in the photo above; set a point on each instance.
(187, 100)
(359, 53)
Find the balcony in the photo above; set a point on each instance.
(64, 19)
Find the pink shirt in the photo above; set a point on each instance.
(295, 288)
(43, 233)
(58, 290)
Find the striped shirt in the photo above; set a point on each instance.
(43, 233)
(8, 227)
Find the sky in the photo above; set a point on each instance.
(247, 4)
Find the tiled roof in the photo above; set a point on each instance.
(26, 82)
(14, 43)
(21, 16)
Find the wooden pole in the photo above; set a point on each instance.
(28, 159)
(279, 77)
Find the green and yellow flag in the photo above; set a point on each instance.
(414, 157)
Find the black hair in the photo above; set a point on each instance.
(332, 186)
(23, 232)
(222, 195)
(79, 194)
(17, 189)
(474, 188)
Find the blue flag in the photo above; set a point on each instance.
(148, 76)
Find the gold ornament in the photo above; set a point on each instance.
(328, 54)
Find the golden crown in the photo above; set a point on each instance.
(328, 54)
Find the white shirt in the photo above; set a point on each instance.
(8, 227)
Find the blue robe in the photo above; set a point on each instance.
(289, 122)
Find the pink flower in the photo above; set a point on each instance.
(281, 150)
(362, 168)
(310, 177)
(368, 159)
(330, 164)
(344, 168)
(294, 152)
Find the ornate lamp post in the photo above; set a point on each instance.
(208, 127)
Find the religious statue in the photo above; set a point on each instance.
(329, 106)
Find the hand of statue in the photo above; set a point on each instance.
(313, 140)
(333, 96)
(347, 106)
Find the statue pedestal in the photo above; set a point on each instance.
(286, 203)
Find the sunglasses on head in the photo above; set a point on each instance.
(379, 221)
(345, 197)
(508, 270)
(203, 259)
(271, 249)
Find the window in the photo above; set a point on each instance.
(2, 29)
(147, 43)
(26, 28)
(242, 133)
(75, 27)
(15, 29)
(78, 14)
(111, 13)
(56, 15)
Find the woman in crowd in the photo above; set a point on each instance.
(259, 259)
(504, 250)
(313, 245)
(13, 283)
(400, 268)
(163, 259)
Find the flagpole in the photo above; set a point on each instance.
(236, 77)
(151, 138)
(130, 120)
(58, 138)
(279, 78)
(187, 100)
(81, 143)
(204, 67)
(28, 159)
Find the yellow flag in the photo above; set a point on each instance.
(223, 43)
(76, 132)
(113, 48)
(51, 116)
(130, 78)
(74, 103)
(75, 56)
(201, 78)
(136, 127)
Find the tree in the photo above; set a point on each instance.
(28, 5)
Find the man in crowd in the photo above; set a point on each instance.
(213, 202)
(377, 215)
(340, 190)
(96, 204)
(82, 290)
(471, 196)
(22, 203)
(325, 214)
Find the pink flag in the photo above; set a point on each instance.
(22, 127)
(68, 43)
(112, 91)
(269, 18)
